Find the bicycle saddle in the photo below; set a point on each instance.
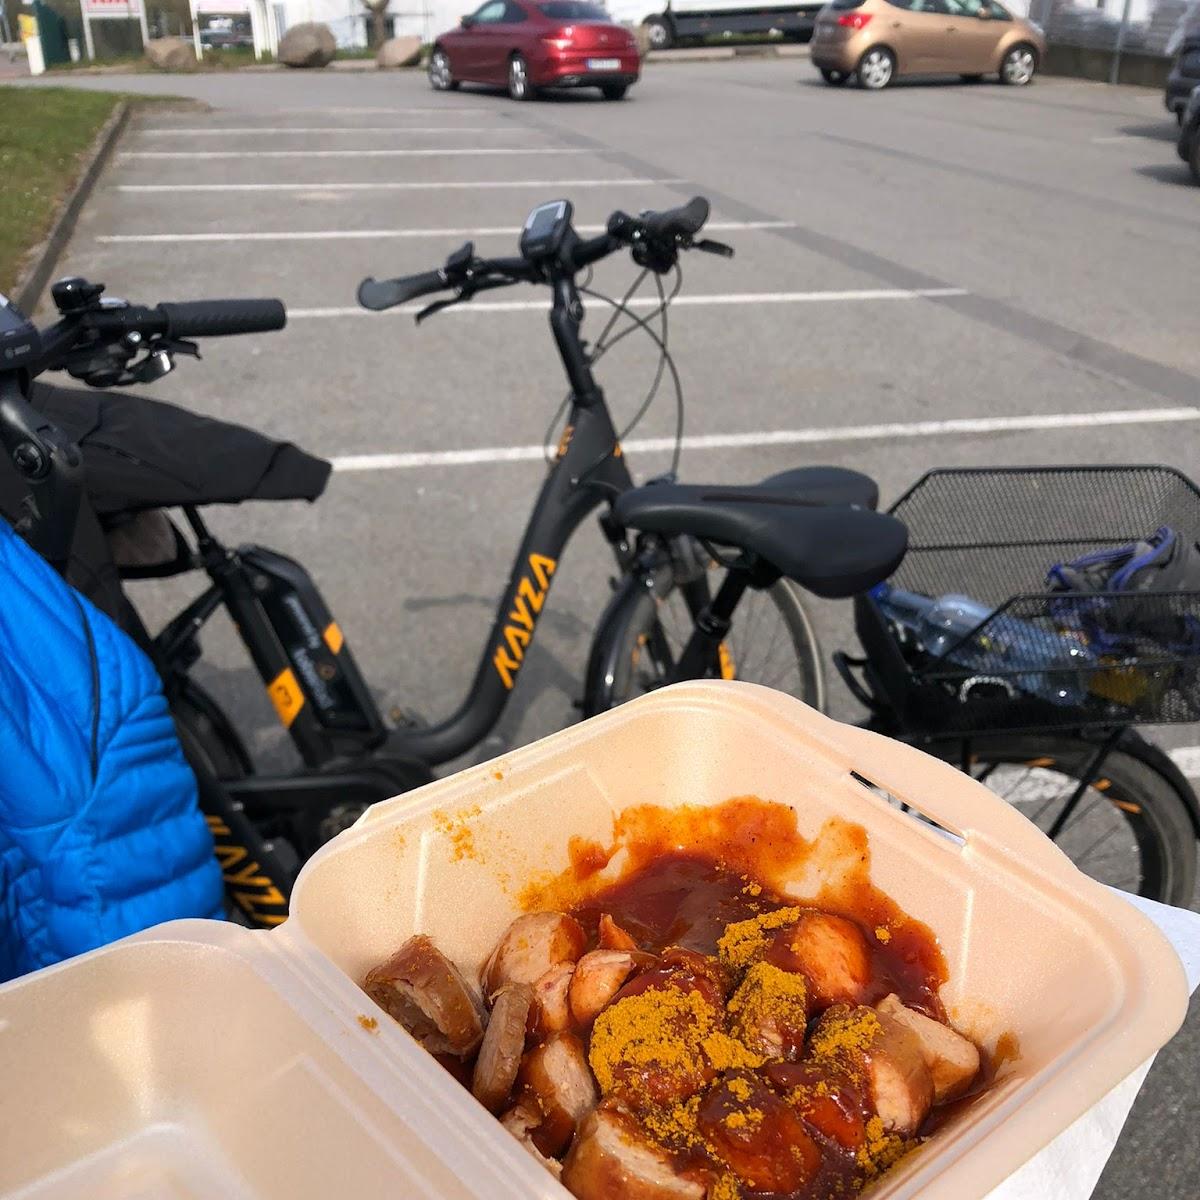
(828, 485)
(833, 551)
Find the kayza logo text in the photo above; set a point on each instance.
(518, 629)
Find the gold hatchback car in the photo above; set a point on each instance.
(873, 41)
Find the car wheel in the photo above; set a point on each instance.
(441, 78)
(614, 91)
(659, 34)
(1194, 157)
(1018, 66)
(876, 68)
(833, 78)
(1183, 147)
(519, 87)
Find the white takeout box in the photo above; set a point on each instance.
(203, 1060)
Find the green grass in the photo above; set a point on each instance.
(44, 134)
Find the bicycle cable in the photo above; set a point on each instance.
(666, 361)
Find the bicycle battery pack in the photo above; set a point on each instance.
(321, 695)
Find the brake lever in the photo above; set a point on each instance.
(709, 246)
(466, 291)
(436, 307)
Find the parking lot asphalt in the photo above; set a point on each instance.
(937, 275)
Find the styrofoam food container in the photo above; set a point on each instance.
(203, 1060)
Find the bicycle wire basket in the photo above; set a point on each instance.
(1127, 657)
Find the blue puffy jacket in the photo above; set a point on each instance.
(100, 833)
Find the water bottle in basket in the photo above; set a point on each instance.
(1005, 649)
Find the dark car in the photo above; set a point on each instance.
(1185, 75)
(525, 45)
(1189, 134)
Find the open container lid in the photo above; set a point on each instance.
(200, 1059)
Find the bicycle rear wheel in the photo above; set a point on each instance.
(771, 642)
(1131, 829)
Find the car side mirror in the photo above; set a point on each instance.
(466, 22)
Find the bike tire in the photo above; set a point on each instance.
(640, 623)
(207, 734)
(1131, 801)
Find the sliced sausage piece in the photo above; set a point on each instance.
(612, 1160)
(423, 990)
(953, 1061)
(503, 1044)
(521, 1120)
(831, 952)
(612, 937)
(531, 945)
(900, 1084)
(758, 1135)
(598, 977)
(551, 993)
(769, 1011)
(557, 1074)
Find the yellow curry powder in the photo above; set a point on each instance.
(726, 1188)
(768, 997)
(844, 1033)
(881, 1150)
(745, 941)
(660, 1029)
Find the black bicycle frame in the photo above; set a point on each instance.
(589, 470)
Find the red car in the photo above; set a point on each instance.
(525, 45)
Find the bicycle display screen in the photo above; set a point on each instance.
(19, 341)
(545, 228)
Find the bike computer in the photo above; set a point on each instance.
(19, 341)
(545, 229)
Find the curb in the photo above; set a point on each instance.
(728, 53)
(29, 286)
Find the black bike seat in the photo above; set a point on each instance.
(828, 485)
(832, 551)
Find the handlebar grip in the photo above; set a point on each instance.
(686, 220)
(220, 318)
(378, 294)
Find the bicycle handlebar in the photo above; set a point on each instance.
(654, 237)
(187, 318)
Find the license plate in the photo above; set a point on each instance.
(604, 64)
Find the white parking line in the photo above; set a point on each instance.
(277, 129)
(1187, 759)
(321, 235)
(508, 306)
(447, 110)
(422, 153)
(781, 437)
(423, 186)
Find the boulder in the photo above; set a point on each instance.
(308, 45)
(399, 52)
(171, 54)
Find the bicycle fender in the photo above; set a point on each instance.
(629, 603)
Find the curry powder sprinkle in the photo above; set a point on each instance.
(658, 1030)
(768, 997)
(844, 1032)
(883, 934)
(745, 941)
(881, 1150)
(726, 1188)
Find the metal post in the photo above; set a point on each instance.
(141, 4)
(196, 46)
(89, 45)
(1115, 74)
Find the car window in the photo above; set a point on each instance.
(573, 10)
(906, 4)
(490, 14)
(930, 6)
(844, 5)
(972, 8)
(514, 14)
